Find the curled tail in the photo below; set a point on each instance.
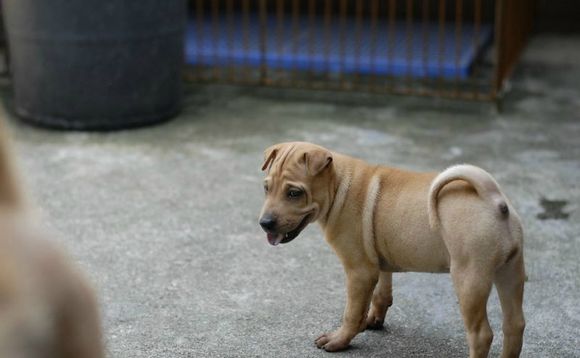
(485, 185)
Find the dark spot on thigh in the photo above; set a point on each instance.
(503, 208)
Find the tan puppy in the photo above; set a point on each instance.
(47, 310)
(381, 220)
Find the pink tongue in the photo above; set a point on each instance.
(274, 239)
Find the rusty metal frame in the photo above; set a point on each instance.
(511, 21)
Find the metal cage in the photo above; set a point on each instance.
(462, 49)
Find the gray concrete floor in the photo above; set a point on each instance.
(163, 219)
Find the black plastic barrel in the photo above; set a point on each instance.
(96, 64)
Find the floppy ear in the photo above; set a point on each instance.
(317, 160)
(270, 155)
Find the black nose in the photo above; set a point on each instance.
(268, 223)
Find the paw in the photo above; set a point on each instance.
(375, 323)
(376, 318)
(333, 342)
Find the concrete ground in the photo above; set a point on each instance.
(164, 219)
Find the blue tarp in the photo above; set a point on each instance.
(418, 49)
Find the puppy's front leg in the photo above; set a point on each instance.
(360, 282)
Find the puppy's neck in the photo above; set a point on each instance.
(339, 183)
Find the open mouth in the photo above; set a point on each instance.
(278, 238)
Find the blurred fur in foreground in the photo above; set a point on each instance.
(47, 309)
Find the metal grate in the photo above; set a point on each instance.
(456, 49)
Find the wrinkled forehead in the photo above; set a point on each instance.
(287, 164)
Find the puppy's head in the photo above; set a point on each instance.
(296, 176)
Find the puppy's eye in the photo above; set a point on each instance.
(265, 188)
(294, 193)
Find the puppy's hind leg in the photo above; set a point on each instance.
(473, 285)
(381, 301)
(509, 281)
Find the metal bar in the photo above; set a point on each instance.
(499, 39)
(409, 42)
(311, 38)
(325, 85)
(391, 39)
(342, 42)
(295, 38)
(458, 39)
(373, 53)
(511, 18)
(476, 36)
(280, 39)
(357, 37)
(442, 48)
(477, 21)
(425, 39)
(230, 39)
(327, 33)
(215, 35)
(199, 41)
(445, 94)
(247, 74)
(263, 42)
